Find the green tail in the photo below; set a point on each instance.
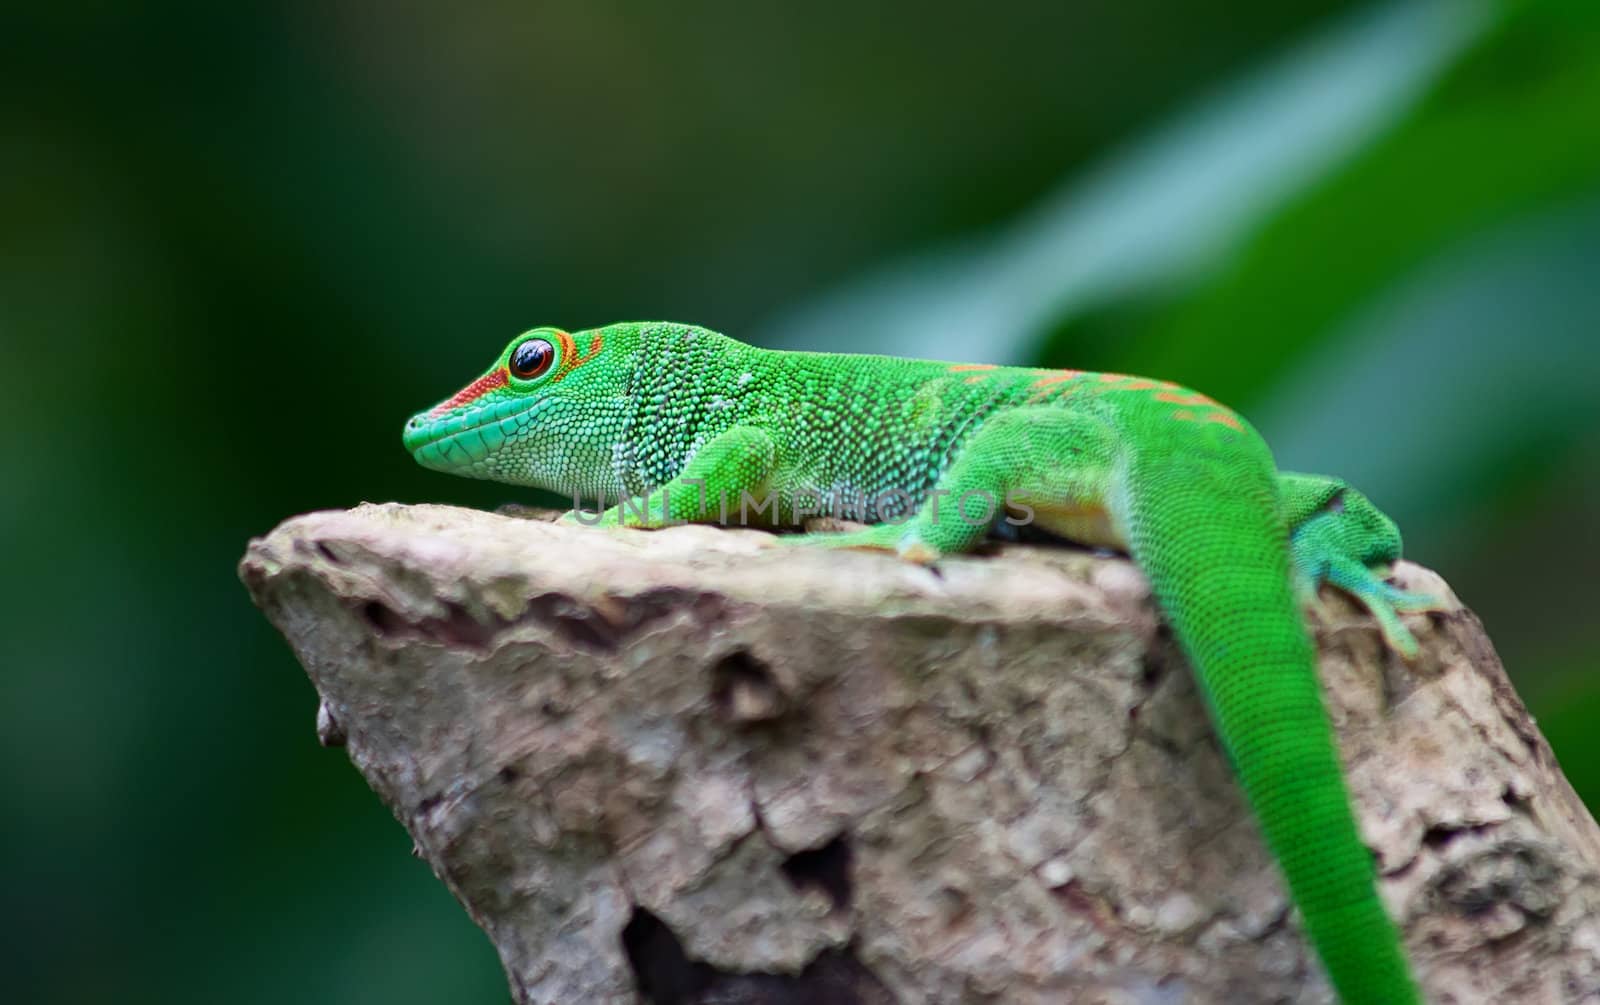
(1204, 530)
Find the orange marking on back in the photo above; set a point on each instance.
(1186, 399)
(1183, 415)
(473, 391)
(570, 360)
(1044, 387)
(1057, 378)
(1226, 418)
(978, 379)
(963, 367)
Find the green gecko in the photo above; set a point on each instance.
(677, 423)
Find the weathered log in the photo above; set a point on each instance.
(689, 766)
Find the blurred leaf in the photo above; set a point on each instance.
(1484, 361)
(1512, 129)
(1160, 213)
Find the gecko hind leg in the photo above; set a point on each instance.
(1347, 542)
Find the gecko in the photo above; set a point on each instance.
(672, 423)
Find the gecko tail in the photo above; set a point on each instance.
(1208, 532)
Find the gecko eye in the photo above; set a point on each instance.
(532, 358)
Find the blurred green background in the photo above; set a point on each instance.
(240, 244)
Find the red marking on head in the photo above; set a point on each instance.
(569, 351)
(963, 367)
(570, 360)
(472, 392)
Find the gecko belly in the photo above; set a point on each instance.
(1079, 522)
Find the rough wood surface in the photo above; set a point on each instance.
(688, 766)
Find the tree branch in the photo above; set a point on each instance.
(691, 767)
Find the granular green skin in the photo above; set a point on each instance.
(664, 423)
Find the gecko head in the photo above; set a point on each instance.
(533, 418)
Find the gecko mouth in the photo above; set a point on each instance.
(482, 428)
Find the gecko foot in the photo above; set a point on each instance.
(1385, 600)
(880, 537)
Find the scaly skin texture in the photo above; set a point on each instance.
(669, 422)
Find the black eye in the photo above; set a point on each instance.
(532, 358)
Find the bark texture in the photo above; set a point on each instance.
(691, 767)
